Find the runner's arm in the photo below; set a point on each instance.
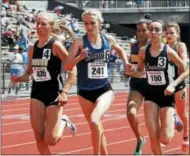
(62, 53)
(183, 71)
(73, 59)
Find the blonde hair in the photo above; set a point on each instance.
(51, 19)
(95, 13)
(61, 25)
(175, 26)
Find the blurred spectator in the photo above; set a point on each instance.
(24, 55)
(85, 3)
(82, 3)
(32, 36)
(22, 35)
(104, 4)
(113, 56)
(75, 26)
(108, 27)
(147, 3)
(130, 3)
(5, 3)
(10, 38)
(3, 12)
(139, 3)
(15, 67)
(72, 24)
(133, 39)
(4, 21)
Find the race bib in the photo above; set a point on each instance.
(97, 70)
(156, 78)
(41, 74)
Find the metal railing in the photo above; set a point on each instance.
(108, 4)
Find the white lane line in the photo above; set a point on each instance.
(77, 104)
(109, 144)
(69, 101)
(79, 123)
(68, 136)
(171, 150)
(72, 116)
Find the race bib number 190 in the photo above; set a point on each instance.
(97, 70)
(156, 78)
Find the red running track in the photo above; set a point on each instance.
(18, 138)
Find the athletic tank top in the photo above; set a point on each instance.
(46, 68)
(134, 53)
(157, 68)
(134, 57)
(174, 70)
(92, 72)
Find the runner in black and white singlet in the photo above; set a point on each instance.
(91, 55)
(157, 77)
(159, 100)
(173, 40)
(48, 94)
(137, 85)
(46, 74)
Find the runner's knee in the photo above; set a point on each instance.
(50, 139)
(165, 137)
(165, 140)
(131, 112)
(153, 132)
(95, 123)
(38, 136)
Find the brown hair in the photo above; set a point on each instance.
(161, 22)
(175, 26)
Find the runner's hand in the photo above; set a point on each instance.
(169, 90)
(129, 69)
(84, 53)
(62, 98)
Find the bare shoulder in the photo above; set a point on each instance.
(78, 40)
(110, 37)
(142, 50)
(57, 43)
(131, 44)
(182, 46)
(170, 51)
(77, 43)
